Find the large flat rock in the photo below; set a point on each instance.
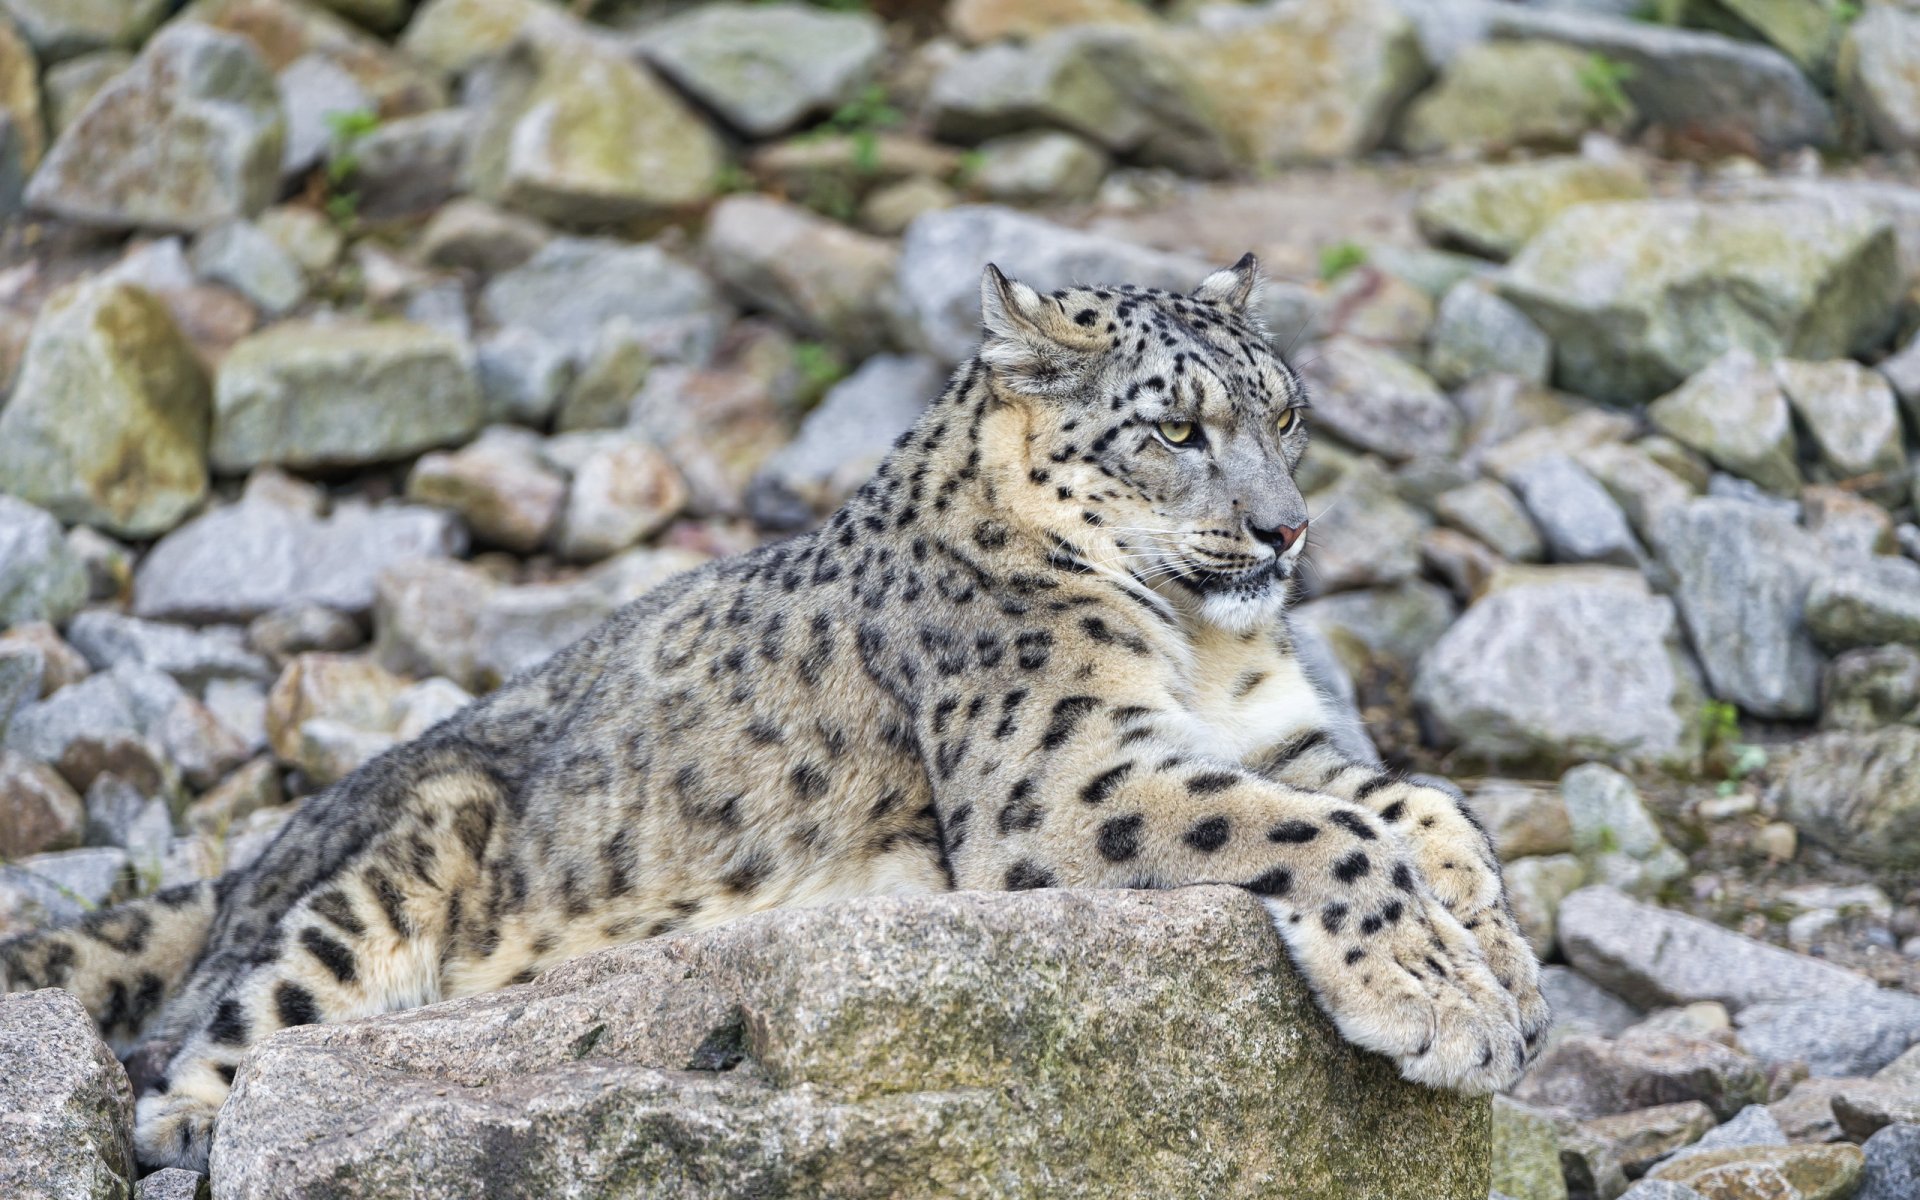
(66, 1111)
(1093, 1044)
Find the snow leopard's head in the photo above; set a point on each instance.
(1172, 425)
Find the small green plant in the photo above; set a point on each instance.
(1726, 754)
(861, 119)
(346, 130)
(1845, 12)
(1336, 260)
(1605, 81)
(819, 366)
(734, 178)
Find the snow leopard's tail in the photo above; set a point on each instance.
(123, 963)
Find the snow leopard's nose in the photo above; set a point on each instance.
(1280, 537)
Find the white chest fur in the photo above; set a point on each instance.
(1248, 695)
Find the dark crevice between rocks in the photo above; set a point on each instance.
(724, 1047)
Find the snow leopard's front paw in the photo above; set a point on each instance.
(1456, 861)
(1400, 976)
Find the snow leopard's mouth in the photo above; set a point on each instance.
(1248, 583)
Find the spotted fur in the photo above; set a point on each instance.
(1042, 647)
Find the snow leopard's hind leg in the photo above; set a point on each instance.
(366, 927)
(122, 963)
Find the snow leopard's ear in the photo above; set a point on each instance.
(1236, 288)
(1031, 343)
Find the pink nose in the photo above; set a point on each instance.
(1283, 537)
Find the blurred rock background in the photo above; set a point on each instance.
(357, 354)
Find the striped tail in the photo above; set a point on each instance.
(123, 963)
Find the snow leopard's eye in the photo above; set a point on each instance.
(1284, 421)
(1177, 433)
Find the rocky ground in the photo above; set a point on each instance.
(357, 354)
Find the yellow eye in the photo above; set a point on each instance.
(1284, 421)
(1177, 432)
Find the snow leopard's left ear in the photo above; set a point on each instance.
(1032, 344)
(1236, 288)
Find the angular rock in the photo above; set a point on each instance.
(474, 235)
(1498, 96)
(498, 485)
(71, 84)
(119, 814)
(1855, 1032)
(1535, 888)
(1892, 1163)
(316, 92)
(1810, 1172)
(1575, 515)
(1735, 413)
(1613, 833)
(186, 138)
(1377, 401)
(1637, 296)
(843, 439)
(20, 110)
(1638, 1139)
(1865, 689)
(1655, 958)
(347, 695)
(932, 1062)
(819, 277)
(1850, 412)
(191, 656)
(1869, 602)
(64, 1101)
(242, 256)
(172, 1183)
(1589, 1077)
(58, 663)
(412, 165)
(1488, 510)
(133, 721)
(298, 628)
(944, 253)
(61, 29)
(38, 811)
(1308, 83)
(108, 420)
(1877, 74)
(1742, 576)
(1127, 90)
(453, 35)
(765, 68)
(1378, 631)
(1851, 528)
(575, 131)
(1366, 535)
(717, 427)
(1526, 1152)
(1522, 818)
(40, 577)
(1044, 166)
(1856, 793)
(1477, 333)
(573, 287)
(324, 394)
(237, 562)
(980, 21)
(623, 493)
(1704, 87)
(47, 888)
(1496, 210)
(1568, 668)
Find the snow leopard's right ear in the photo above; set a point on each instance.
(1031, 344)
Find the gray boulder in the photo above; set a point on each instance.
(65, 885)
(1570, 665)
(245, 559)
(1637, 296)
(1377, 401)
(1734, 412)
(60, 30)
(843, 439)
(1853, 1032)
(241, 255)
(572, 288)
(41, 579)
(172, 1183)
(765, 68)
(1742, 573)
(1576, 516)
(191, 656)
(1614, 835)
(1871, 687)
(1893, 1160)
(1476, 333)
(1736, 93)
(1365, 535)
(1129, 92)
(339, 393)
(1868, 602)
(107, 424)
(1488, 510)
(945, 252)
(1591, 1077)
(1854, 422)
(982, 1044)
(186, 138)
(1877, 74)
(131, 721)
(64, 1102)
(1657, 958)
(1856, 793)
(819, 277)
